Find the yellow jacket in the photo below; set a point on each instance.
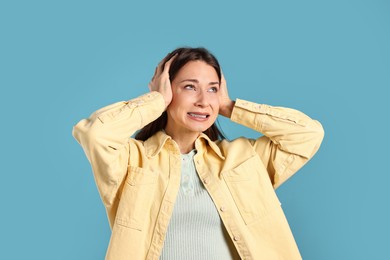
(138, 181)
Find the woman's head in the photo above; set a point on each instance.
(185, 55)
(192, 70)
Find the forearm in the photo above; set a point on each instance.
(292, 130)
(111, 126)
(227, 110)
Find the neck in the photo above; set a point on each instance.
(185, 141)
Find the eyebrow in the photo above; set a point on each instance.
(196, 81)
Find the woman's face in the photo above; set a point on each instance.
(195, 99)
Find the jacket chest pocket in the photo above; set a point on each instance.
(251, 190)
(137, 196)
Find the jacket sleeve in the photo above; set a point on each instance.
(290, 139)
(104, 137)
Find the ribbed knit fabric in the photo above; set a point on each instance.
(195, 230)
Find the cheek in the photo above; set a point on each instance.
(180, 98)
(177, 101)
(215, 104)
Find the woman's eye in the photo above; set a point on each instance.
(189, 87)
(213, 89)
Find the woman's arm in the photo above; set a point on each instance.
(290, 139)
(105, 134)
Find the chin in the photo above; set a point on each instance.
(202, 129)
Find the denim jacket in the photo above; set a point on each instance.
(138, 180)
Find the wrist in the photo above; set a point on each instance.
(227, 109)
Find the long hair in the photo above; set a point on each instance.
(184, 55)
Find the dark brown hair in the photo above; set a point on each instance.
(184, 55)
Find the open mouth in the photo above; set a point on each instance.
(198, 115)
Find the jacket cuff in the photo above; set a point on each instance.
(149, 106)
(241, 116)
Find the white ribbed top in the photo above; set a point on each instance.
(195, 230)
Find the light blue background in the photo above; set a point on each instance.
(61, 60)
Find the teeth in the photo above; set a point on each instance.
(197, 115)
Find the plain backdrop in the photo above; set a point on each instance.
(62, 60)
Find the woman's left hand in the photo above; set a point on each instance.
(225, 103)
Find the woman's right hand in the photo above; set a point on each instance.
(161, 82)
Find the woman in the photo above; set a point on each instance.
(179, 190)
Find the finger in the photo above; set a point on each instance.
(155, 73)
(169, 62)
(222, 77)
(159, 68)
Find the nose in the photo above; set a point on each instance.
(201, 100)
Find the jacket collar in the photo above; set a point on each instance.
(212, 144)
(155, 143)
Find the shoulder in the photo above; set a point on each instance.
(240, 143)
(241, 147)
(240, 151)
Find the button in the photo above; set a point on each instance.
(236, 238)
(223, 208)
(206, 180)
